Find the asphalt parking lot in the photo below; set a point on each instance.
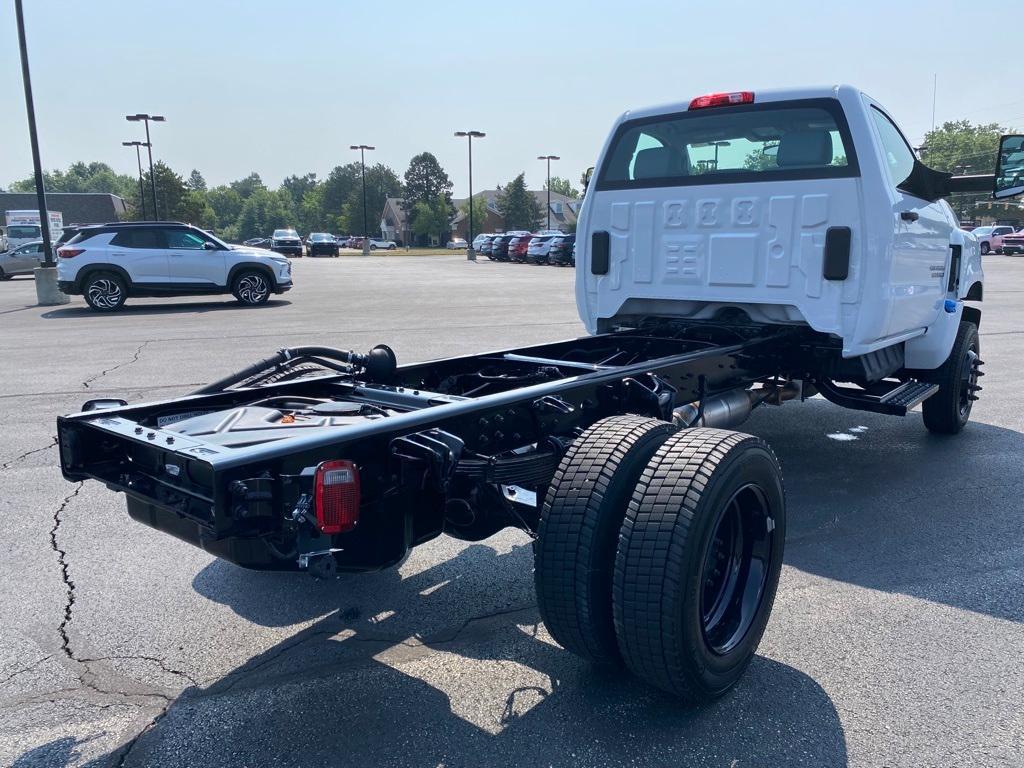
(895, 640)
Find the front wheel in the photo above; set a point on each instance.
(948, 410)
(251, 287)
(4, 275)
(373, 247)
(698, 562)
(104, 291)
(985, 249)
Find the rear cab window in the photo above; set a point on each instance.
(772, 141)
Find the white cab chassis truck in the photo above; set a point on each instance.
(735, 251)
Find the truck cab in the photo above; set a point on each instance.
(798, 206)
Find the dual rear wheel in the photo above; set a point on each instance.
(662, 550)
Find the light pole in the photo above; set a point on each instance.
(138, 158)
(47, 292)
(549, 158)
(470, 135)
(362, 161)
(149, 147)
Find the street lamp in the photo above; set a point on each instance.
(470, 135)
(138, 158)
(362, 161)
(47, 291)
(149, 147)
(549, 158)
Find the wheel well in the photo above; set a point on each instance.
(249, 266)
(973, 314)
(976, 292)
(91, 269)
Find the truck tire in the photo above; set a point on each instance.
(685, 622)
(104, 291)
(579, 531)
(985, 248)
(948, 410)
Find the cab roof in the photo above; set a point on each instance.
(760, 97)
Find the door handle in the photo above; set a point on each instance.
(910, 215)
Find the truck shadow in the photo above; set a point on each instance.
(881, 503)
(356, 687)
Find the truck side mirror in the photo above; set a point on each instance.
(1009, 168)
(586, 179)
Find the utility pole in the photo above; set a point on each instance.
(470, 135)
(362, 161)
(549, 158)
(149, 147)
(47, 292)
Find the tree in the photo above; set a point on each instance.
(563, 187)
(518, 207)
(381, 183)
(83, 177)
(248, 185)
(959, 147)
(337, 188)
(227, 205)
(479, 214)
(170, 192)
(196, 181)
(432, 218)
(425, 180)
(299, 186)
(263, 212)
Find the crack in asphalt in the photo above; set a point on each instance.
(62, 563)
(11, 462)
(29, 668)
(134, 359)
(139, 657)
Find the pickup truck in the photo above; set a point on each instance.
(735, 251)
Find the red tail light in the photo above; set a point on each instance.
(69, 253)
(722, 99)
(336, 496)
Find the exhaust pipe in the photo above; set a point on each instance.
(732, 408)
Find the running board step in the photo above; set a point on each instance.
(900, 399)
(910, 394)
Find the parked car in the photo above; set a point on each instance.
(108, 263)
(286, 241)
(386, 245)
(1013, 244)
(539, 248)
(484, 248)
(990, 238)
(478, 242)
(258, 242)
(457, 244)
(499, 247)
(563, 250)
(321, 243)
(518, 246)
(21, 260)
(354, 242)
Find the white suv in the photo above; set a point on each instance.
(108, 263)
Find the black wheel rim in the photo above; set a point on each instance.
(737, 561)
(968, 381)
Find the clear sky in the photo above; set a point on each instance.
(286, 87)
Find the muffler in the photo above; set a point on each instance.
(732, 408)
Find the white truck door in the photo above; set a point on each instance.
(922, 233)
